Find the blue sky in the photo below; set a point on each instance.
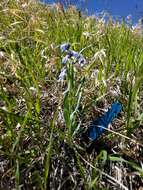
(117, 8)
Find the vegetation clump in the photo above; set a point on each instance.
(43, 118)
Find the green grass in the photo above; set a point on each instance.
(41, 119)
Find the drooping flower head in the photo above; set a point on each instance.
(74, 54)
(82, 61)
(64, 47)
(65, 59)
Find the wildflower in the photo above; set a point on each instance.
(71, 57)
(74, 54)
(65, 59)
(62, 74)
(82, 61)
(64, 47)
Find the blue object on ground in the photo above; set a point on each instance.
(98, 127)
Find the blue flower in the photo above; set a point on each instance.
(69, 55)
(82, 61)
(74, 54)
(95, 129)
(65, 59)
(64, 47)
(77, 57)
(62, 74)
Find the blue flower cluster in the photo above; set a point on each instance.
(70, 54)
(98, 126)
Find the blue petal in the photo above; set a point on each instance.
(82, 61)
(74, 54)
(65, 59)
(64, 47)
